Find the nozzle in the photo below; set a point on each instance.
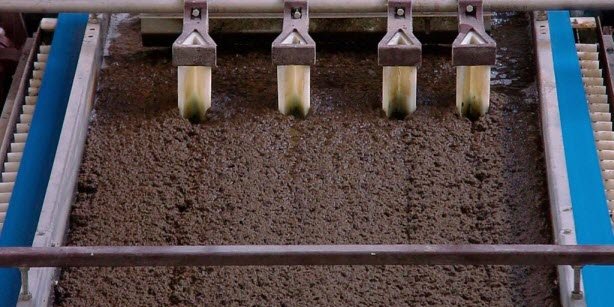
(194, 92)
(194, 54)
(293, 89)
(399, 90)
(473, 54)
(400, 54)
(293, 52)
(472, 90)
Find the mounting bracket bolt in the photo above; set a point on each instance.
(93, 18)
(195, 12)
(24, 293)
(296, 13)
(576, 293)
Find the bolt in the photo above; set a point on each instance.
(195, 12)
(610, 50)
(24, 294)
(400, 12)
(576, 293)
(93, 18)
(297, 14)
(470, 8)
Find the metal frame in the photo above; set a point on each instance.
(588, 200)
(16, 94)
(12, 38)
(563, 225)
(15, 28)
(561, 255)
(53, 221)
(225, 7)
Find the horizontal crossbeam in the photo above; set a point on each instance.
(305, 255)
(221, 7)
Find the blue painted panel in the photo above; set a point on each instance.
(585, 182)
(39, 153)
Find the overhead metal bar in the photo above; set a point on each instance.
(305, 255)
(225, 7)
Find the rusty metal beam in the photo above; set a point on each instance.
(225, 7)
(305, 255)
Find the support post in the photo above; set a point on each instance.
(24, 294)
(577, 294)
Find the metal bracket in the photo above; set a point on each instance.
(294, 46)
(9, 49)
(15, 28)
(541, 16)
(9, 57)
(194, 47)
(399, 47)
(473, 46)
(5, 42)
(93, 18)
(8, 52)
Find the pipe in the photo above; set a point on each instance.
(222, 7)
(269, 255)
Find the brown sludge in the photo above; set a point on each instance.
(344, 175)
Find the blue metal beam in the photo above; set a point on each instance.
(39, 153)
(585, 181)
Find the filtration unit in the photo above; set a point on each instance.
(48, 80)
